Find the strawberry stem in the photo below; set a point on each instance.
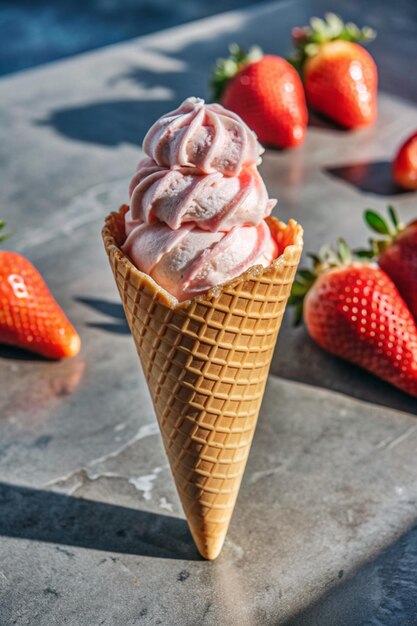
(226, 69)
(308, 39)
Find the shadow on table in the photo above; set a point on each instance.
(41, 515)
(113, 310)
(315, 120)
(18, 354)
(381, 591)
(109, 123)
(298, 358)
(117, 121)
(370, 177)
(114, 122)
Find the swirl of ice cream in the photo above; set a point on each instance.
(189, 261)
(212, 201)
(206, 136)
(197, 205)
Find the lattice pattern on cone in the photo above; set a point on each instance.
(206, 362)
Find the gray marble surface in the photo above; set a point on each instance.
(91, 530)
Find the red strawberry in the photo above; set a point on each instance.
(29, 316)
(405, 164)
(396, 252)
(340, 78)
(354, 310)
(266, 92)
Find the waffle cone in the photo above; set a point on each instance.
(206, 362)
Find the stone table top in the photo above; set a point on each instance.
(91, 530)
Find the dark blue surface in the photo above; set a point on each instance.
(33, 32)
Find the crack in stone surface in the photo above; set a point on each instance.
(145, 483)
(84, 208)
(260, 475)
(389, 443)
(70, 483)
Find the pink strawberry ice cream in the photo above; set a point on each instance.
(206, 136)
(211, 201)
(197, 205)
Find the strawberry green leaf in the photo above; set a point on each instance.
(335, 25)
(376, 222)
(308, 40)
(367, 34)
(329, 256)
(394, 217)
(307, 275)
(318, 25)
(297, 303)
(311, 49)
(314, 257)
(226, 69)
(3, 236)
(298, 316)
(363, 253)
(298, 289)
(345, 254)
(389, 229)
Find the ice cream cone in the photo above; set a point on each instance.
(206, 361)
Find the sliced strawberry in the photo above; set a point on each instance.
(30, 318)
(353, 310)
(266, 92)
(405, 164)
(340, 77)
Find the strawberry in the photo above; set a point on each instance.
(405, 164)
(353, 310)
(340, 77)
(29, 316)
(266, 92)
(396, 252)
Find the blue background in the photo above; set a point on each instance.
(33, 32)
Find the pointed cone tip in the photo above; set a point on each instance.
(209, 547)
